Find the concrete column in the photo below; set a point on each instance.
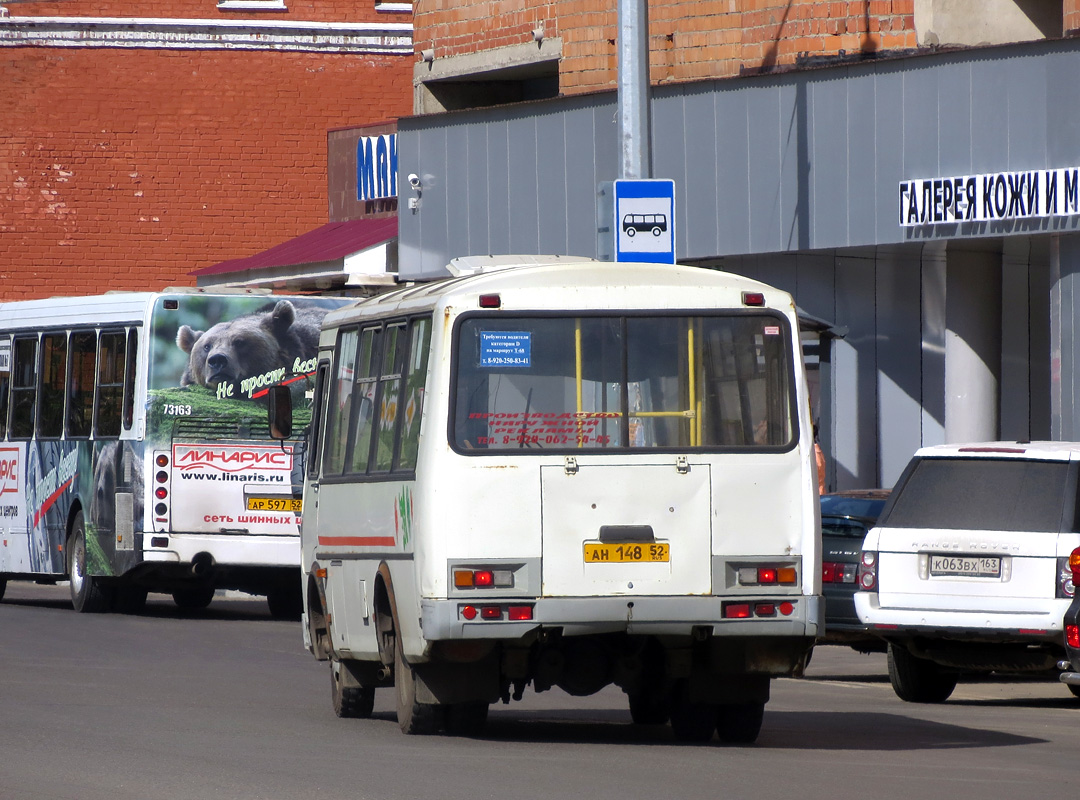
(972, 345)
(1064, 323)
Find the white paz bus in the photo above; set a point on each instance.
(134, 449)
(567, 474)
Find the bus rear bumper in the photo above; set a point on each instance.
(223, 549)
(640, 615)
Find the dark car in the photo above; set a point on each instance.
(846, 517)
(1071, 626)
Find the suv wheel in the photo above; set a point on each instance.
(917, 680)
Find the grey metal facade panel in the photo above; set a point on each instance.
(921, 108)
(862, 155)
(989, 129)
(828, 168)
(856, 403)
(551, 150)
(794, 206)
(1063, 135)
(524, 198)
(699, 233)
(580, 176)
(1015, 412)
(1028, 110)
(498, 186)
(764, 157)
(955, 131)
(932, 399)
(770, 183)
(888, 145)
(478, 209)
(458, 203)
(899, 370)
(671, 154)
(731, 115)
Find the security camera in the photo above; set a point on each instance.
(414, 180)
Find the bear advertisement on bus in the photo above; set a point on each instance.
(133, 441)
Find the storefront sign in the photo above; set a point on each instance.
(990, 197)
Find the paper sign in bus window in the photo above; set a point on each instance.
(505, 348)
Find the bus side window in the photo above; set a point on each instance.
(389, 396)
(318, 417)
(363, 413)
(131, 364)
(23, 387)
(413, 401)
(5, 387)
(80, 405)
(52, 385)
(340, 405)
(110, 384)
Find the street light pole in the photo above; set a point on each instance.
(633, 85)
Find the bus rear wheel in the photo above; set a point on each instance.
(414, 718)
(88, 594)
(739, 723)
(285, 602)
(349, 701)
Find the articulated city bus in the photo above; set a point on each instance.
(569, 474)
(134, 451)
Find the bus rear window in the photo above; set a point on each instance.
(631, 382)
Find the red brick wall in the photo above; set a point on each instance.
(689, 39)
(1070, 17)
(296, 10)
(129, 168)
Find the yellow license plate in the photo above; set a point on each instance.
(627, 553)
(294, 504)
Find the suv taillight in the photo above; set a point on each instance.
(1068, 574)
(866, 580)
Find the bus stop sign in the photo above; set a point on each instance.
(644, 223)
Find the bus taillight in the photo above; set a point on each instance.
(162, 460)
(161, 493)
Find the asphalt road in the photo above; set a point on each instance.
(227, 704)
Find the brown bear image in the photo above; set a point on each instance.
(252, 345)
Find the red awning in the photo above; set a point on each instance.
(331, 242)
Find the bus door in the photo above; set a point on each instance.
(641, 529)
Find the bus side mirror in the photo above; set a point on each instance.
(279, 412)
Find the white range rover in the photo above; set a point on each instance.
(967, 570)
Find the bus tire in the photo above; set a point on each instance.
(649, 707)
(88, 594)
(630, 232)
(3, 586)
(656, 230)
(739, 723)
(466, 719)
(193, 598)
(285, 602)
(414, 718)
(354, 702)
(917, 680)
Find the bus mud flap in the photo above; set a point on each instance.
(445, 682)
